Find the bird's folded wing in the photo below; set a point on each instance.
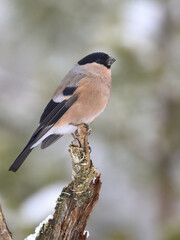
(63, 99)
(52, 113)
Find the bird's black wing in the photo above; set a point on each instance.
(52, 113)
(64, 105)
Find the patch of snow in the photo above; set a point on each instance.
(33, 236)
(85, 231)
(94, 179)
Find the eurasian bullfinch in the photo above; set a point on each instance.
(81, 96)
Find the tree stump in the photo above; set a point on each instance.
(78, 199)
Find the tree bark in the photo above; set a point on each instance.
(5, 234)
(78, 199)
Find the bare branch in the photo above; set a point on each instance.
(5, 234)
(78, 199)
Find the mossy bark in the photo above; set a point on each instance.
(78, 199)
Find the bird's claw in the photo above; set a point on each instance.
(90, 149)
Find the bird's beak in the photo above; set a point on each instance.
(110, 61)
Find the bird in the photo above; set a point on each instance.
(82, 95)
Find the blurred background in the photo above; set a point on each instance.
(135, 142)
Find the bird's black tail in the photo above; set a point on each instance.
(20, 159)
(25, 152)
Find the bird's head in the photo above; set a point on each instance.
(99, 58)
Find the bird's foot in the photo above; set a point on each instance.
(89, 130)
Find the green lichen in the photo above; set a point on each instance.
(78, 192)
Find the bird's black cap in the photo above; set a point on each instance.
(98, 57)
